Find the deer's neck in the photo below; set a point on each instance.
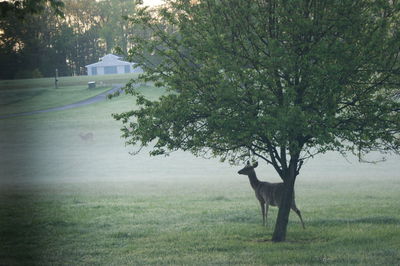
(254, 182)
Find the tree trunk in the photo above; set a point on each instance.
(282, 220)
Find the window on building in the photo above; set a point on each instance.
(94, 70)
(110, 70)
(127, 69)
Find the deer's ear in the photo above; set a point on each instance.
(255, 164)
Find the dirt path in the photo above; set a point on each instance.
(94, 99)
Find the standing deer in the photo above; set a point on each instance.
(267, 193)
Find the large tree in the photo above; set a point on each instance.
(278, 79)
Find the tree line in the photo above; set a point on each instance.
(34, 44)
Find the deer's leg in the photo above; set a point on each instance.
(262, 205)
(297, 211)
(266, 212)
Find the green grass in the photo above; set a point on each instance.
(18, 96)
(192, 222)
(64, 81)
(65, 201)
(19, 101)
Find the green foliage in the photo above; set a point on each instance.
(115, 28)
(22, 8)
(44, 40)
(284, 80)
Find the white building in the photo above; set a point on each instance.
(111, 64)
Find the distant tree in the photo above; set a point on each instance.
(83, 17)
(31, 45)
(21, 8)
(28, 30)
(37, 36)
(282, 80)
(116, 28)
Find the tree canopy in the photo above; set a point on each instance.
(22, 8)
(280, 80)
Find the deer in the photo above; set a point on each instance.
(267, 193)
(86, 137)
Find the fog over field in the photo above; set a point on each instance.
(53, 151)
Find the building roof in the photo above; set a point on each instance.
(110, 60)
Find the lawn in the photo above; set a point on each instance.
(18, 96)
(67, 201)
(195, 222)
(63, 81)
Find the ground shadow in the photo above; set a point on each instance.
(19, 233)
(363, 220)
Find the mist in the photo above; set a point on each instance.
(40, 150)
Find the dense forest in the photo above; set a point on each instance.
(41, 42)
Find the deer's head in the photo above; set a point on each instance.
(248, 169)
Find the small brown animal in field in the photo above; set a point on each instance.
(86, 137)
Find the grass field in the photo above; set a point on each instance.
(63, 81)
(18, 96)
(66, 201)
